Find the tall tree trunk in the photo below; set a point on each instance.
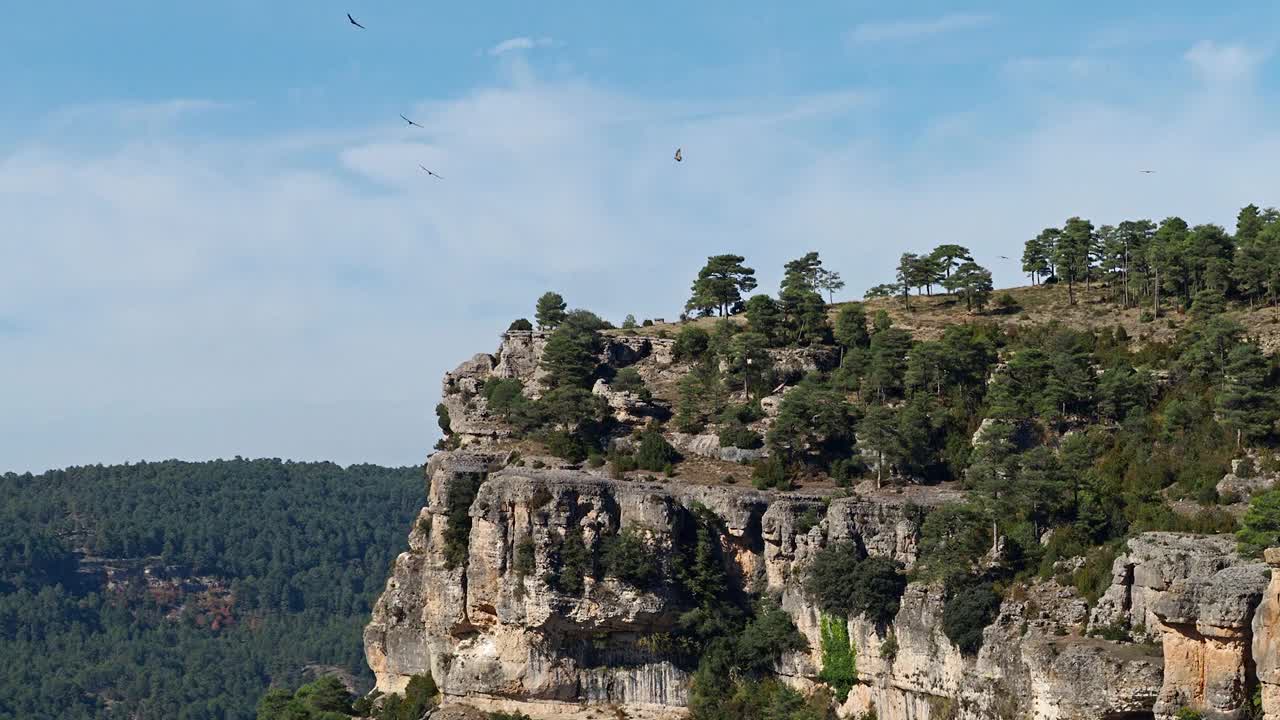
(1155, 292)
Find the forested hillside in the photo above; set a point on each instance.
(182, 590)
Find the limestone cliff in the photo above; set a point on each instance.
(473, 600)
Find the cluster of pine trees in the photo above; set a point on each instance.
(1141, 261)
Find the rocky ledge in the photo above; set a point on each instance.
(493, 629)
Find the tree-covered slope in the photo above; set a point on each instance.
(181, 590)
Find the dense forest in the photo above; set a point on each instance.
(183, 590)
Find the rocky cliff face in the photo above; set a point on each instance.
(474, 602)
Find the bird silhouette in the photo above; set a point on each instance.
(425, 170)
(1004, 257)
(678, 158)
(1146, 172)
(353, 21)
(402, 117)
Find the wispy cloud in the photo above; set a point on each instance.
(173, 299)
(517, 44)
(1224, 63)
(906, 30)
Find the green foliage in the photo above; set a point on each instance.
(952, 538)
(804, 315)
(570, 356)
(525, 557)
(720, 284)
(550, 311)
(628, 557)
(850, 329)
(302, 589)
(457, 535)
(1260, 528)
(654, 452)
(1094, 577)
(701, 397)
(814, 423)
(628, 380)
(1187, 713)
(839, 669)
(520, 325)
(571, 562)
(692, 343)
(442, 419)
(967, 612)
(770, 472)
(764, 316)
(740, 436)
(844, 582)
(323, 699)
(1247, 401)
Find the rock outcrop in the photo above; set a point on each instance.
(483, 600)
(492, 626)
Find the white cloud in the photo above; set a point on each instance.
(517, 44)
(906, 30)
(301, 295)
(1224, 63)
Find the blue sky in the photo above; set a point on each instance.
(217, 240)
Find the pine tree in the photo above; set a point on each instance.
(550, 311)
(804, 313)
(878, 437)
(1071, 253)
(1038, 252)
(1247, 403)
(720, 284)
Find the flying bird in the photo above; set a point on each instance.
(353, 21)
(1004, 257)
(678, 158)
(1146, 172)
(425, 170)
(402, 117)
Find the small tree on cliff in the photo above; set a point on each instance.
(550, 311)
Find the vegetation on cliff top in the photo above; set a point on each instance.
(1094, 427)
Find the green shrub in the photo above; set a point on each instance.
(1187, 713)
(808, 521)
(1094, 577)
(628, 380)
(621, 462)
(522, 325)
(571, 560)
(740, 436)
(770, 472)
(457, 535)
(566, 445)
(525, 560)
(691, 343)
(839, 669)
(844, 582)
(595, 460)
(628, 557)
(889, 648)
(1261, 525)
(647, 323)
(654, 452)
(967, 612)
(768, 634)
(442, 419)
